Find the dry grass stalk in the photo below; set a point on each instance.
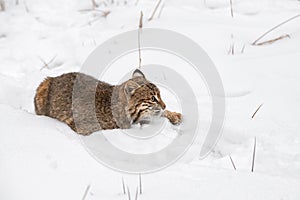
(140, 183)
(105, 13)
(243, 49)
(231, 8)
(2, 5)
(232, 162)
(155, 9)
(86, 192)
(275, 27)
(161, 9)
(257, 110)
(139, 38)
(231, 49)
(273, 40)
(46, 64)
(128, 192)
(136, 193)
(253, 155)
(123, 186)
(26, 7)
(141, 20)
(94, 4)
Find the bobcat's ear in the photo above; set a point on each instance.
(129, 88)
(138, 73)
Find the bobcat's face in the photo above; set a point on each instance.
(143, 97)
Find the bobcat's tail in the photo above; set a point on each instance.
(41, 99)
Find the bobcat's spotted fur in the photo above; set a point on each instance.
(94, 105)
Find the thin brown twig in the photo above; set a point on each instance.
(273, 40)
(94, 4)
(155, 9)
(2, 5)
(161, 9)
(139, 38)
(243, 49)
(275, 27)
(231, 49)
(253, 155)
(46, 64)
(257, 110)
(128, 193)
(123, 186)
(232, 162)
(231, 8)
(140, 183)
(105, 13)
(26, 7)
(136, 193)
(90, 10)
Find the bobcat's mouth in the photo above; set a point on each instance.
(146, 116)
(157, 112)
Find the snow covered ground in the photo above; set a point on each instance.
(41, 158)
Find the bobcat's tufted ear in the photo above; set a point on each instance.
(138, 73)
(130, 87)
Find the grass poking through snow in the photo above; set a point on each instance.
(275, 27)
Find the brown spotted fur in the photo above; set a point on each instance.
(88, 105)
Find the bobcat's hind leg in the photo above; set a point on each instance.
(41, 99)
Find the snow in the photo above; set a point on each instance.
(41, 158)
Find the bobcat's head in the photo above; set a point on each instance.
(143, 98)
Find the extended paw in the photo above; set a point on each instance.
(174, 117)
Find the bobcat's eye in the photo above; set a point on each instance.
(153, 99)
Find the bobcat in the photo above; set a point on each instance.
(96, 105)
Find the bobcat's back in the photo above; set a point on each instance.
(55, 97)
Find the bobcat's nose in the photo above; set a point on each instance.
(162, 105)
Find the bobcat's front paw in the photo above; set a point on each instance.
(174, 117)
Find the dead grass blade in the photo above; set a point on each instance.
(253, 155)
(275, 27)
(257, 110)
(231, 8)
(155, 9)
(2, 5)
(128, 193)
(139, 38)
(136, 193)
(94, 4)
(140, 183)
(161, 9)
(46, 64)
(232, 162)
(273, 40)
(243, 49)
(86, 192)
(123, 186)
